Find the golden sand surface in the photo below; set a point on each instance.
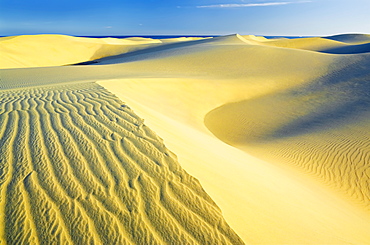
(79, 167)
(275, 130)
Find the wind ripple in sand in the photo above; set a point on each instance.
(321, 129)
(77, 166)
(339, 159)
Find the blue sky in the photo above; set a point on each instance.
(176, 17)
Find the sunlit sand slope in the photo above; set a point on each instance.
(339, 44)
(321, 127)
(278, 93)
(55, 50)
(256, 197)
(351, 38)
(79, 167)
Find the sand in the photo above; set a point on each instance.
(79, 167)
(58, 50)
(275, 130)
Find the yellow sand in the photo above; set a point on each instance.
(56, 50)
(332, 44)
(301, 113)
(79, 167)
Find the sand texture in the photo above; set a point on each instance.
(276, 131)
(79, 167)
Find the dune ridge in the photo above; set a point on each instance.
(269, 196)
(350, 38)
(337, 44)
(56, 50)
(87, 170)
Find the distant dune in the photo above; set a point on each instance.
(276, 131)
(57, 50)
(339, 44)
(351, 38)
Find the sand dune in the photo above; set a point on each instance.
(301, 111)
(255, 196)
(323, 132)
(339, 44)
(351, 38)
(352, 49)
(56, 50)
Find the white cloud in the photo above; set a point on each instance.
(236, 5)
(108, 27)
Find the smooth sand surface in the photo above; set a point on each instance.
(276, 131)
(57, 50)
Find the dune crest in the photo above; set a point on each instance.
(340, 44)
(351, 38)
(57, 50)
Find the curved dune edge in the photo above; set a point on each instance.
(56, 50)
(79, 167)
(338, 44)
(320, 128)
(255, 196)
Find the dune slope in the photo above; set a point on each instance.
(284, 98)
(351, 38)
(321, 128)
(339, 44)
(56, 50)
(79, 167)
(255, 196)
